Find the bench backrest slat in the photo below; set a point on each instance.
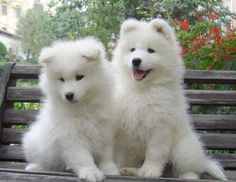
(195, 97)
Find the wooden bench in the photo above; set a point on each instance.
(218, 131)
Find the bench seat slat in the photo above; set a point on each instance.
(231, 175)
(200, 121)
(7, 175)
(212, 141)
(195, 97)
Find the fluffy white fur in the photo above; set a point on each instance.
(154, 127)
(74, 134)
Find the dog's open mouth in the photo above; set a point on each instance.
(138, 75)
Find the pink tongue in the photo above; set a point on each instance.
(138, 74)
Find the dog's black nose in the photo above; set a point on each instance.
(136, 62)
(69, 96)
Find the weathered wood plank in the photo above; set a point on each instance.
(211, 140)
(222, 77)
(20, 175)
(12, 135)
(211, 97)
(195, 97)
(3, 89)
(214, 122)
(24, 94)
(19, 116)
(219, 141)
(200, 121)
(25, 71)
(227, 160)
(191, 76)
(11, 153)
(231, 174)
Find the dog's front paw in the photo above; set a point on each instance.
(189, 175)
(109, 168)
(91, 174)
(149, 171)
(128, 171)
(34, 167)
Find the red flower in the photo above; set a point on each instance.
(214, 15)
(184, 25)
(232, 50)
(220, 41)
(209, 67)
(215, 31)
(231, 36)
(226, 57)
(182, 50)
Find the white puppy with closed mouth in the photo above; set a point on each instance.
(74, 129)
(154, 127)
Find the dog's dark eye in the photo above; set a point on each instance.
(62, 79)
(151, 50)
(132, 49)
(79, 77)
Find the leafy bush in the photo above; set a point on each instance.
(3, 51)
(208, 44)
(27, 106)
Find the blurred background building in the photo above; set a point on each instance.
(231, 5)
(10, 12)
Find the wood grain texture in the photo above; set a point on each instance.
(195, 97)
(3, 89)
(29, 72)
(200, 121)
(211, 140)
(199, 76)
(12, 116)
(25, 176)
(191, 76)
(11, 153)
(226, 160)
(214, 122)
(24, 94)
(211, 97)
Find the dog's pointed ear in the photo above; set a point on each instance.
(91, 49)
(162, 27)
(128, 26)
(46, 56)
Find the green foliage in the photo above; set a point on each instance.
(75, 19)
(35, 30)
(3, 51)
(27, 106)
(205, 45)
(101, 18)
(177, 10)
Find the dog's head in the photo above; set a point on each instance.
(147, 50)
(72, 70)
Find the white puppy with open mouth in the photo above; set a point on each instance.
(154, 127)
